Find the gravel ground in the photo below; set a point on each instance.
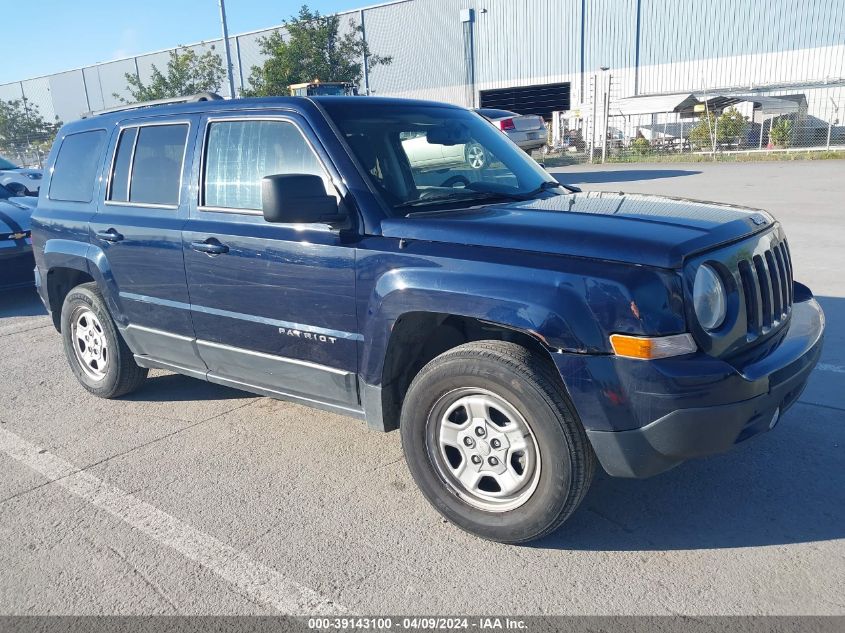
(196, 499)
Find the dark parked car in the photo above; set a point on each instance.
(16, 262)
(518, 332)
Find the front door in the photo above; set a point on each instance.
(138, 227)
(273, 305)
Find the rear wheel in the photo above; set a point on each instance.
(96, 352)
(494, 443)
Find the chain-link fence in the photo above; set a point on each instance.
(714, 124)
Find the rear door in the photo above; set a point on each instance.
(273, 304)
(138, 226)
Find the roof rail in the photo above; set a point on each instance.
(202, 96)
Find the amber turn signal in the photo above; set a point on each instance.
(650, 348)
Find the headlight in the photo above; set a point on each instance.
(708, 298)
(34, 176)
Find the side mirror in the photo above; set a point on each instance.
(297, 198)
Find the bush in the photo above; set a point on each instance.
(641, 146)
(781, 133)
(730, 127)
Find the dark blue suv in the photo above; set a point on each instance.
(352, 254)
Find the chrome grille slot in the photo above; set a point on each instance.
(752, 296)
(765, 286)
(766, 283)
(784, 280)
(774, 277)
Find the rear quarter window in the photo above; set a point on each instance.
(75, 170)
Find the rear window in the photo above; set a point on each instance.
(157, 164)
(76, 166)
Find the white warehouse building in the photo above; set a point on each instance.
(542, 56)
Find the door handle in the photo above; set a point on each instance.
(210, 246)
(111, 235)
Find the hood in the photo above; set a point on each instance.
(632, 228)
(15, 214)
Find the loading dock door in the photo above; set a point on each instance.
(542, 99)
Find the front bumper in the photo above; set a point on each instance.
(16, 264)
(645, 417)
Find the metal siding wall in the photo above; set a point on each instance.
(424, 38)
(525, 42)
(113, 80)
(689, 45)
(685, 45)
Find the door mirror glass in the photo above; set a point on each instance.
(297, 198)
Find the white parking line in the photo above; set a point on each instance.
(253, 579)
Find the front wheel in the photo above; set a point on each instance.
(493, 442)
(95, 350)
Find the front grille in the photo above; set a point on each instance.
(767, 288)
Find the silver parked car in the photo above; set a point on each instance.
(19, 180)
(528, 130)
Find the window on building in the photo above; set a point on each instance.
(157, 164)
(75, 171)
(240, 153)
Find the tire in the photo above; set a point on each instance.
(104, 366)
(507, 381)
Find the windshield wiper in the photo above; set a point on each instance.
(482, 195)
(476, 195)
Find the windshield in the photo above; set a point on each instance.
(7, 164)
(422, 157)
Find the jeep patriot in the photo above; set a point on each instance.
(344, 253)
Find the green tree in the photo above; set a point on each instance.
(24, 131)
(701, 136)
(186, 74)
(311, 49)
(781, 133)
(729, 127)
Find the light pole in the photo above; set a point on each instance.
(226, 48)
(604, 70)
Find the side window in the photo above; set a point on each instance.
(76, 165)
(240, 153)
(119, 182)
(155, 165)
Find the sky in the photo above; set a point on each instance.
(57, 35)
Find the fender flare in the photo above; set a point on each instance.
(548, 311)
(89, 259)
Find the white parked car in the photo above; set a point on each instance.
(424, 155)
(526, 130)
(19, 180)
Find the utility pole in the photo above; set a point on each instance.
(606, 117)
(593, 118)
(226, 48)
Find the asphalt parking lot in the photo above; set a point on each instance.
(192, 498)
